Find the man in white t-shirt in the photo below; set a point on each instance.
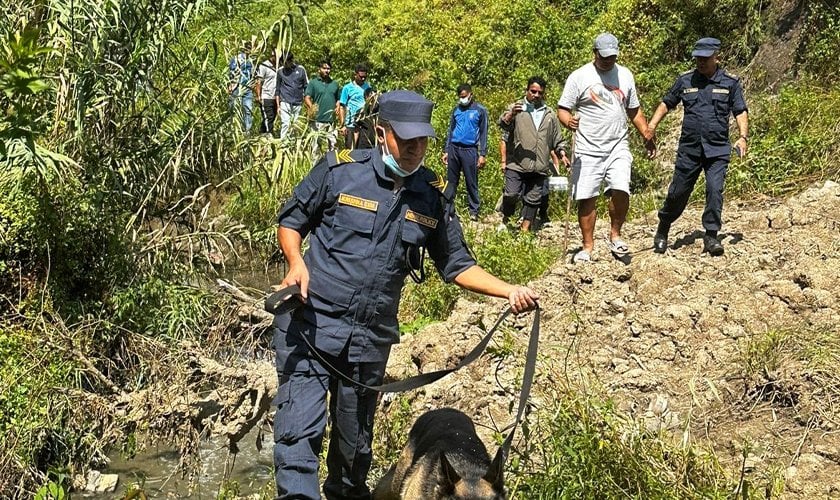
(266, 88)
(602, 95)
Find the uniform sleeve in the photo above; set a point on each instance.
(305, 208)
(737, 104)
(569, 97)
(448, 249)
(674, 96)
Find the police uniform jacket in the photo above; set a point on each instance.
(707, 103)
(364, 236)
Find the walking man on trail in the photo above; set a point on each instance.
(531, 132)
(240, 74)
(466, 147)
(371, 214)
(351, 102)
(708, 95)
(291, 82)
(603, 95)
(322, 107)
(266, 88)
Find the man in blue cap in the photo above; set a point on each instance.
(709, 96)
(371, 215)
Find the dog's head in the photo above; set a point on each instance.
(491, 486)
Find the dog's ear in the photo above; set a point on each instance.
(449, 474)
(495, 474)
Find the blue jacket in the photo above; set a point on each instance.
(468, 126)
(361, 234)
(707, 102)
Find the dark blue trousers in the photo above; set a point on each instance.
(301, 419)
(686, 171)
(463, 159)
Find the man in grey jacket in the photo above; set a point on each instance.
(533, 133)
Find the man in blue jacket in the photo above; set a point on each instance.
(371, 215)
(466, 147)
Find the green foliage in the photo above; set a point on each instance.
(793, 141)
(587, 449)
(818, 54)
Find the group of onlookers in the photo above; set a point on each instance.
(286, 90)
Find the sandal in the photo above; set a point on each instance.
(619, 248)
(582, 256)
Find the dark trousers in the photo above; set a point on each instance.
(269, 114)
(464, 159)
(529, 186)
(686, 171)
(301, 419)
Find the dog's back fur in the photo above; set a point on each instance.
(443, 460)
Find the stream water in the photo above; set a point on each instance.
(155, 468)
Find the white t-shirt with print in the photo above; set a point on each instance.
(268, 74)
(601, 100)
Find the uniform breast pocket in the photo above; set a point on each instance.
(414, 238)
(351, 227)
(690, 100)
(721, 103)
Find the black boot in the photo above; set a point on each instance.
(660, 240)
(712, 245)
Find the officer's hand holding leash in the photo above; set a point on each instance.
(522, 299)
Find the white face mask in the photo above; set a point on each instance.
(464, 101)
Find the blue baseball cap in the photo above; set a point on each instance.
(705, 47)
(409, 113)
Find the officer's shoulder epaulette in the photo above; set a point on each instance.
(342, 156)
(435, 180)
(730, 75)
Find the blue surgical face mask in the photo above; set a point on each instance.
(392, 164)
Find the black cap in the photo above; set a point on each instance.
(409, 113)
(705, 47)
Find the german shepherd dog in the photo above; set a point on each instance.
(443, 460)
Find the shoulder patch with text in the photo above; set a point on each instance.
(690, 90)
(421, 219)
(355, 201)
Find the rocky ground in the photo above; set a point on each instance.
(739, 352)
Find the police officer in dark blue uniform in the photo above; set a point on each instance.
(371, 216)
(709, 95)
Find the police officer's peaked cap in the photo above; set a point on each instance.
(409, 113)
(705, 47)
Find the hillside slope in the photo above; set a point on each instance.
(735, 353)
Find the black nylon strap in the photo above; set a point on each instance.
(279, 303)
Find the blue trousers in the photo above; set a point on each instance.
(686, 172)
(463, 159)
(301, 419)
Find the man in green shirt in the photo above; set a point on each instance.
(321, 99)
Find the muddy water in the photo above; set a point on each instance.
(156, 469)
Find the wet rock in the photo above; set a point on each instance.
(98, 482)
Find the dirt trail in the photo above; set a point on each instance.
(743, 348)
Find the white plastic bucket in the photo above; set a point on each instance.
(558, 183)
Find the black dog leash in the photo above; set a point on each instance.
(279, 303)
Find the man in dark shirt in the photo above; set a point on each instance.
(291, 83)
(371, 214)
(709, 95)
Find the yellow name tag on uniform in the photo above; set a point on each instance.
(355, 201)
(421, 219)
(720, 91)
(690, 90)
